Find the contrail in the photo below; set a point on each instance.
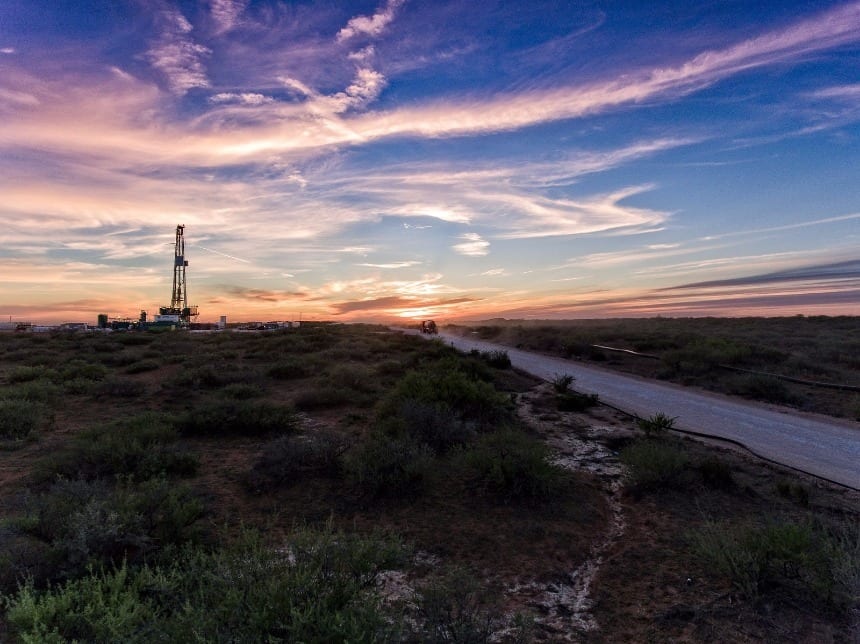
(218, 252)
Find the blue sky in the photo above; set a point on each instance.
(373, 160)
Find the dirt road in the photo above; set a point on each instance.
(826, 447)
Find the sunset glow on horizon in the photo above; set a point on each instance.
(397, 159)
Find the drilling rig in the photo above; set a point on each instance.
(178, 312)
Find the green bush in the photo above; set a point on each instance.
(287, 459)
(324, 396)
(37, 391)
(444, 383)
(290, 369)
(562, 383)
(318, 588)
(652, 465)
(141, 366)
(573, 401)
(434, 425)
(763, 388)
(497, 359)
(512, 465)
(455, 608)
(79, 370)
(242, 391)
(91, 522)
(798, 558)
(385, 466)
(141, 447)
(239, 417)
(657, 425)
(716, 473)
(20, 419)
(211, 376)
(119, 388)
(28, 374)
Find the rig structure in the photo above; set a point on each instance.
(178, 312)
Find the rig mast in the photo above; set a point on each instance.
(180, 296)
(179, 299)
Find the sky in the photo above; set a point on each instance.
(450, 159)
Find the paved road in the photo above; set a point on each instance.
(826, 447)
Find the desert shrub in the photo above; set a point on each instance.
(37, 391)
(763, 388)
(238, 417)
(561, 383)
(287, 459)
(78, 370)
(455, 608)
(497, 359)
(657, 425)
(652, 465)
(20, 418)
(79, 386)
(434, 425)
(91, 522)
(318, 588)
(242, 391)
(141, 447)
(119, 388)
(444, 383)
(135, 339)
(798, 558)
(28, 374)
(512, 465)
(716, 473)
(355, 377)
(385, 466)
(323, 396)
(794, 491)
(290, 369)
(574, 401)
(141, 366)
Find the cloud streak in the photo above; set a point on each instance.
(177, 56)
(370, 26)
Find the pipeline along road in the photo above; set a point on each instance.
(826, 447)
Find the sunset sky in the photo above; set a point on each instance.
(446, 159)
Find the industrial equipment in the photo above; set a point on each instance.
(178, 313)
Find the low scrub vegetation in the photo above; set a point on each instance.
(799, 559)
(512, 465)
(289, 459)
(392, 467)
(653, 465)
(20, 419)
(238, 418)
(141, 447)
(319, 587)
(657, 425)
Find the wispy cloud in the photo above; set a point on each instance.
(225, 13)
(472, 246)
(391, 265)
(839, 92)
(837, 271)
(7, 50)
(176, 55)
(370, 25)
(243, 98)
